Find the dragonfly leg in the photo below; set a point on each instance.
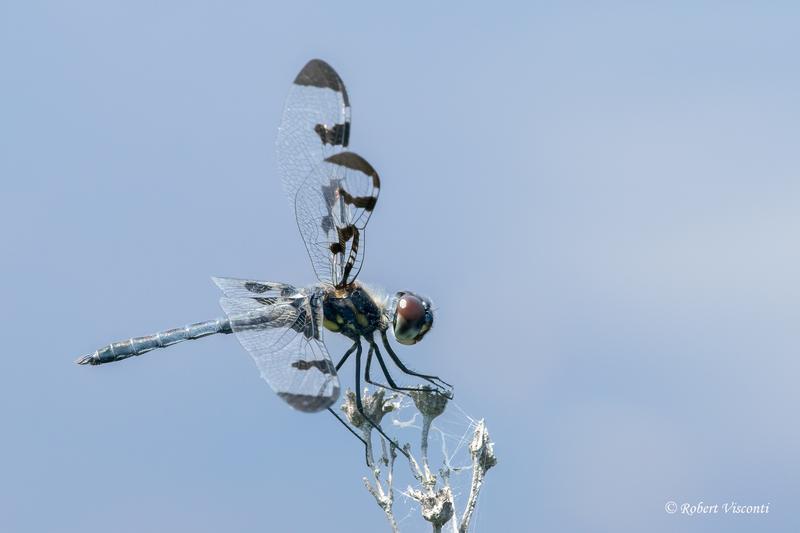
(392, 384)
(367, 366)
(346, 355)
(346, 425)
(334, 413)
(360, 405)
(372, 349)
(430, 379)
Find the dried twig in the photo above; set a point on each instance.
(482, 451)
(375, 407)
(436, 499)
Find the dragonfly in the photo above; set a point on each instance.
(333, 192)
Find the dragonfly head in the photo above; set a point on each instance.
(412, 317)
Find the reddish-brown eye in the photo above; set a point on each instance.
(410, 308)
(412, 318)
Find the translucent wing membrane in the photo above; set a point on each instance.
(282, 334)
(315, 124)
(333, 207)
(249, 288)
(333, 191)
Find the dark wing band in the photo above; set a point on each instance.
(333, 207)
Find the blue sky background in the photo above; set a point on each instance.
(602, 201)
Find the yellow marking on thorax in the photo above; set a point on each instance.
(362, 320)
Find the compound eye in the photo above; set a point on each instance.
(412, 319)
(411, 308)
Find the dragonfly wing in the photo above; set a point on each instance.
(333, 191)
(315, 124)
(332, 208)
(250, 288)
(285, 340)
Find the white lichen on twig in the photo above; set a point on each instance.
(432, 492)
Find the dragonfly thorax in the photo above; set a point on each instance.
(353, 311)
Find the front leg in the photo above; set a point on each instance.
(392, 384)
(445, 387)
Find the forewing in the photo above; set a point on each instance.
(250, 288)
(333, 207)
(315, 124)
(285, 341)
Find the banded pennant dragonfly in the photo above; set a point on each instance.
(334, 192)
